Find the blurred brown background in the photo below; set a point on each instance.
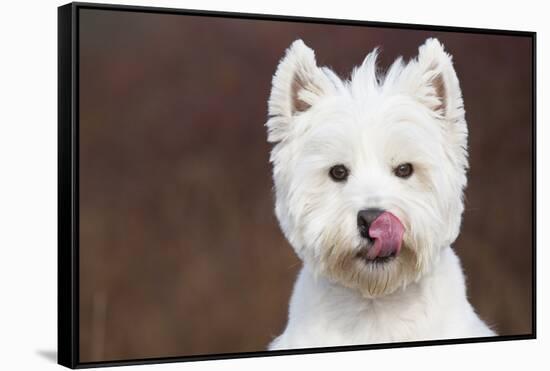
(180, 252)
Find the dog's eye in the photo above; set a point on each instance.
(339, 173)
(403, 170)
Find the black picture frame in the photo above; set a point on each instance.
(68, 183)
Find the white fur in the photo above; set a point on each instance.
(371, 124)
(327, 314)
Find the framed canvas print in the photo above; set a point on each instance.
(237, 185)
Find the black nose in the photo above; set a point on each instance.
(365, 219)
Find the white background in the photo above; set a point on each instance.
(28, 183)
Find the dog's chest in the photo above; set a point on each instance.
(327, 315)
(352, 321)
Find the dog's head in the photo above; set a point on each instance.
(369, 173)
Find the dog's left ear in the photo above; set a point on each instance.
(432, 79)
(297, 84)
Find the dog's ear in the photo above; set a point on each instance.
(432, 79)
(296, 85)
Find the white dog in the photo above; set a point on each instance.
(369, 176)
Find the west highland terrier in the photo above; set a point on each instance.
(369, 176)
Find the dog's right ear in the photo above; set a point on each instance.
(296, 85)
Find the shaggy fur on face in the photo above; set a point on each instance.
(371, 123)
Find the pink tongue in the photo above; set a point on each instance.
(387, 232)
